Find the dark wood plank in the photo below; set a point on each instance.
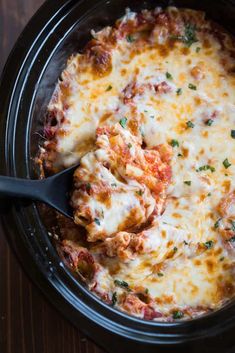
(29, 324)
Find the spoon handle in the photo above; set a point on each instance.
(26, 188)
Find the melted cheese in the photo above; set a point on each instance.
(190, 278)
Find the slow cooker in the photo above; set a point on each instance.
(59, 29)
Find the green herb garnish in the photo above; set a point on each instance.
(209, 122)
(175, 249)
(129, 145)
(169, 76)
(226, 163)
(217, 223)
(123, 122)
(187, 182)
(233, 134)
(233, 225)
(179, 91)
(189, 36)
(198, 49)
(222, 258)
(130, 38)
(140, 192)
(114, 298)
(177, 315)
(190, 124)
(146, 291)
(208, 244)
(113, 184)
(109, 88)
(174, 143)
(97, 221)
(191, 86)
(88, 187)
(122, 284)
(206, 167)
(160, 274)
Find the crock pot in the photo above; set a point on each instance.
(59, 29)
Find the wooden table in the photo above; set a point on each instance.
(29, 324)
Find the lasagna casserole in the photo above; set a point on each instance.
(147, 111)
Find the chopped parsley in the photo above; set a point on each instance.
(217, 223)
(146, 291)
(190, 124)
(233, 134)
(169, 76)
(151, 116)
(179, 91)
(114, 184)
(130, 38)
(185, 242)
(233, 226)
(208, 244)
(174, 143)
(97, 221)
(175, 249)
(206, 167)
(123, 122)
(160, 274)
(209, 194)
(129, 145)
(122, 284)
(88, 187)
(179, 155)
(189, 36)
(187, 182)
(222, 258)
(226, 163)
(198, 49)
(140, 192)
(232, 239)
(109, 88)
(191, 86)
(177, 314)
(209, 122)
(114, 298)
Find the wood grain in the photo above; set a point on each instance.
(28, 323)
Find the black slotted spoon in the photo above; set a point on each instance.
(54, 190)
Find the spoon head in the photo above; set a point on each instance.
(59, 187)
